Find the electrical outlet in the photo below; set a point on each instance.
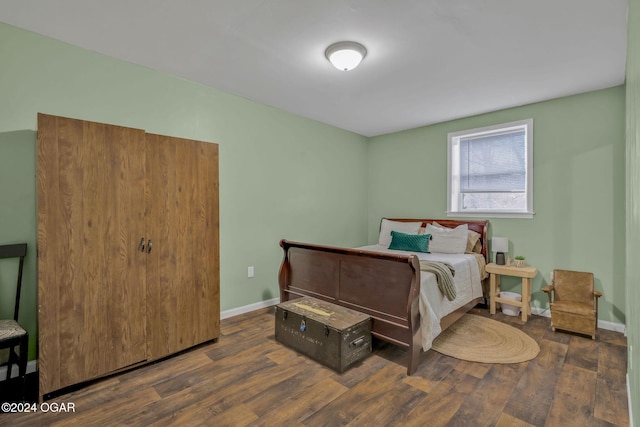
(250, 271)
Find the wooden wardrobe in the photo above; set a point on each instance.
(128, 248)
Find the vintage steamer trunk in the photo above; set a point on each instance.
(330, 334)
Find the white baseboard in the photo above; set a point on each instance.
(602, 324)
(247, 308)
(32, 365)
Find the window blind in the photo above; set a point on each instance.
(493, 163)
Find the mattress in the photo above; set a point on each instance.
(433, 304)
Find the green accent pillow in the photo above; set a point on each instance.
(410, 242)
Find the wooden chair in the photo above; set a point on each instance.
(13, 335)
(573, 302)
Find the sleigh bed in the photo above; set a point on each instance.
(388, 285)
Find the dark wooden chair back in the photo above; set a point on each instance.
(18, 250)
(11, 333)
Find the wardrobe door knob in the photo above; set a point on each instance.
(149, 245)
(142, 245)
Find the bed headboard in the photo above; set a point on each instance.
(479, 226)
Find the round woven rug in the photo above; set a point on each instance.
(478, 339)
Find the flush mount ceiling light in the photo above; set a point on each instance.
(345, 56)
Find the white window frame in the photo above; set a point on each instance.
(454, 197)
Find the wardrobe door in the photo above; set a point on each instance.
(91, 273)
(183, 299)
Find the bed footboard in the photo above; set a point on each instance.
(384, 286)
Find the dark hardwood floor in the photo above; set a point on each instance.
(247, 378)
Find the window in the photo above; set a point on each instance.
(490, 171)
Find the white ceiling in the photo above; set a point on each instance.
(428, 61)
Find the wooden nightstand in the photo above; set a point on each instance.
(526, 273)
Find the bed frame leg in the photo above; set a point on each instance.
(414, 359)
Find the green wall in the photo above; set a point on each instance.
(633, 207)
(579, 188)
(17, 224)
(281, 176)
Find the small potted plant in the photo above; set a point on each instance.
(519, 260)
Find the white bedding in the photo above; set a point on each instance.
(433, 304)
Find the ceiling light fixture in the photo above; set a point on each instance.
(345, 56)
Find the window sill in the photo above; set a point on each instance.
(492, 214)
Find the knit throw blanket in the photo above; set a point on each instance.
(444, 273)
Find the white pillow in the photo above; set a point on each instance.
(387, 226)
(448, 240)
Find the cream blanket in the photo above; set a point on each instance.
(433, 304)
